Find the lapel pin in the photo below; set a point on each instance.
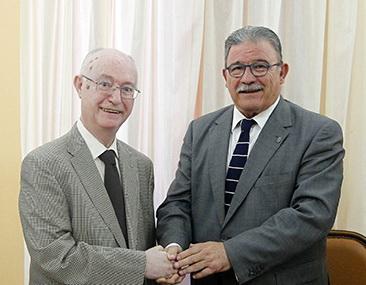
(278, 140)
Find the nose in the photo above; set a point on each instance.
(115, 96)
(248, 76)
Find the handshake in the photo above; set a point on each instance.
(170, 265)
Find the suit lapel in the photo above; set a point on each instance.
(270, 139)
(218, 146)
(87, 171)
(130, 182)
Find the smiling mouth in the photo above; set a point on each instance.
(249, 91)
(108, 110)
(249, 88)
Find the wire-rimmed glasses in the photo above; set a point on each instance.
(107, 86)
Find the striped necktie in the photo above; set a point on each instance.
(237, 162)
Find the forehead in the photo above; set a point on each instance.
(120, 68)
(249, 51)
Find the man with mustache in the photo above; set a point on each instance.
(258, 182)
(86, 200)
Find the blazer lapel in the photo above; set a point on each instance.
(218, 146)
(130, 182)
(270, 139)
(87, 171)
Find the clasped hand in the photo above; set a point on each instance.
(200, 260)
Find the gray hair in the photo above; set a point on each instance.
(253, 34)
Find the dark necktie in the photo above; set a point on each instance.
(237, 162)
(114, 188)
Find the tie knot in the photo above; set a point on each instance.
(108, 157)
(246, 125)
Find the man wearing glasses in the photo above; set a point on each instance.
(258, 182)
(86, 201)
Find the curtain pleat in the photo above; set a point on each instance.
(179, 50)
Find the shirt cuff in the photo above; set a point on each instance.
(174, 244)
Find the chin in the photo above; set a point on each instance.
(249, 110)
(111, 124)
(248, 105)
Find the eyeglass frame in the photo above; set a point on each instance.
(114, 88)
(268, 66)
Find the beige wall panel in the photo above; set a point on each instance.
(11, 241)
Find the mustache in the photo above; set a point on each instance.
(249, 88)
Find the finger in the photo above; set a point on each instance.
(189, 260)
(172, 280)
(172, 252)
(169, 266)
(198, 266)
(203, 273)
(188, 252)
(173, 249)
(180, 279)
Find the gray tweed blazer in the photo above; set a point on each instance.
(68, 221)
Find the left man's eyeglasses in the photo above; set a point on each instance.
(108, 86)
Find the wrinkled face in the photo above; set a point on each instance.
(103, 112)
(251, 94)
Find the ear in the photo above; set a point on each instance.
(283, 73)
(78, 82)
(224, 74)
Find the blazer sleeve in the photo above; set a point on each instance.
(45, 217)
(309, 217)
(174, 214)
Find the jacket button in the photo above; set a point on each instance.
(251, 273)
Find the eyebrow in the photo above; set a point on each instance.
(254, 61)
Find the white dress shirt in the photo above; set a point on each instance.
(260, 119)
(97, 148)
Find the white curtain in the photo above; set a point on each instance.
(178, 47)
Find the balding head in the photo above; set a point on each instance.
(96, 59)
(104, 111)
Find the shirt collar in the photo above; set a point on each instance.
(260, 119)
(96, 147)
